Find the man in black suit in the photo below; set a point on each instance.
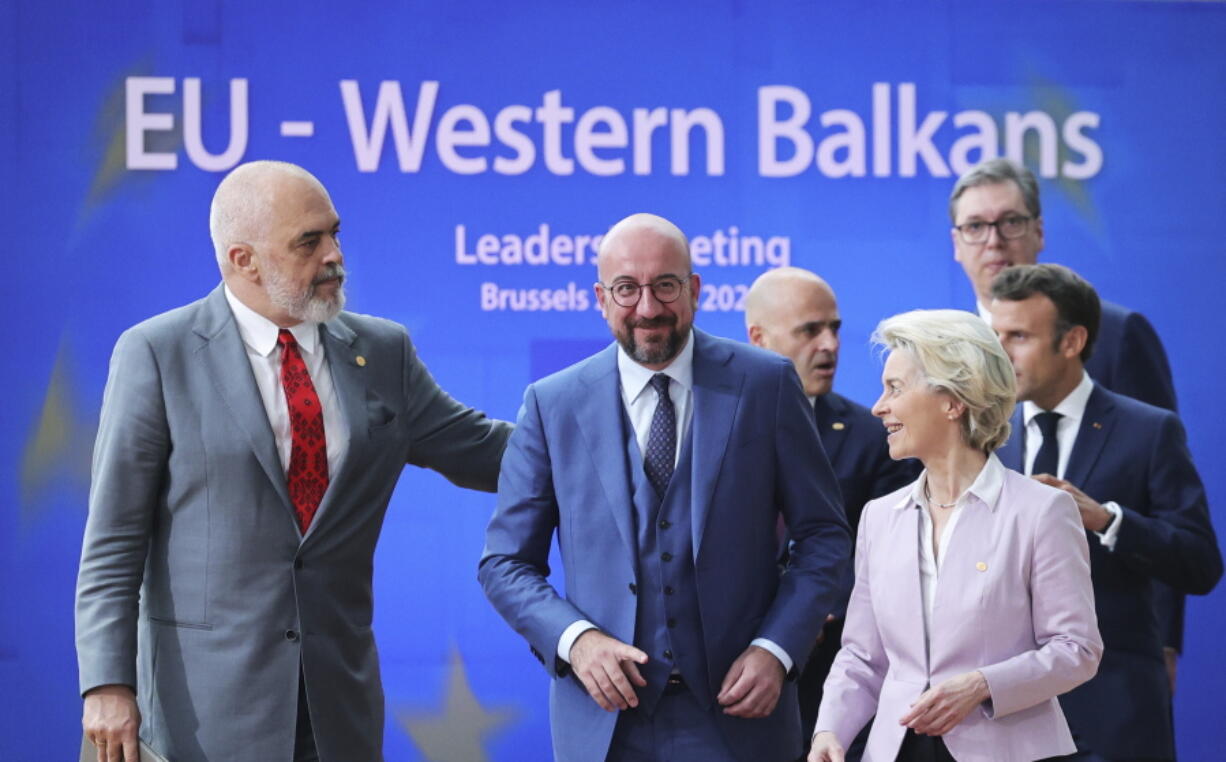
(1141, 500)
(794, 312)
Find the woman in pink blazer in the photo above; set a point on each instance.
(972, 608)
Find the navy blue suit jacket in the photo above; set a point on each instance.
(1136, 455)
(855, 444)
(756, 456)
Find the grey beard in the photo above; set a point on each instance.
(305, 306)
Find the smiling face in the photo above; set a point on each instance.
(982, 261)
(640, 250)
(920, 421)
(798, 317)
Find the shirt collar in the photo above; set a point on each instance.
(986, 487)
(260, 333)
(1072, 407)
(984, 312)
(635, 378)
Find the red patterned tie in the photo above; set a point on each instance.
(308, 459)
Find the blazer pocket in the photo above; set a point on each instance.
(163, 621)
(379, 416)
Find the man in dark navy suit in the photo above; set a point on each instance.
(1141, 500)
(794, 312)
(998, 223)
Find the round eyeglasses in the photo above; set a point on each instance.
(627, 293)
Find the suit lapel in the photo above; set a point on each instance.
(225, 361)
(716, 396)
(833, 424)
(1011, 453)
(599, 416)
(1092, 435)
(349, 381)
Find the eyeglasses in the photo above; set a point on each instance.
(626, 293)
(1008, 227)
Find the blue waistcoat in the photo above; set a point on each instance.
(667, 626)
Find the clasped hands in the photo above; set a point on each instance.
(936, 712)
(608, 669)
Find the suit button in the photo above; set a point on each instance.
(633, 590)
(668, 589)
(291, 635)
(297, 563)
(668, 655)
(672, 622)
(665, 523)
(666, 556)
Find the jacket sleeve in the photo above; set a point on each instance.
(129, 467)
(1174, 541)
(808, 498)
(459, 442)
(515, 562)
(1062, 614)
(851, 691)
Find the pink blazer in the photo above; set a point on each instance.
(1013, 601)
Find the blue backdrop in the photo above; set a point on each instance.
(474, 149)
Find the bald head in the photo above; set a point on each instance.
(636, 230)
(794, 312)
(245, 203)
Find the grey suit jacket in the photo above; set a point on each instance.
(196, 586)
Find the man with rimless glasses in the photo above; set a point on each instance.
(664, 464)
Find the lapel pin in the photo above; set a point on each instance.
(981, 566)
(360, 360)
(1097, 425)
(838, 425)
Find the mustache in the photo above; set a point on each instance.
(659, 321)
(331, 272)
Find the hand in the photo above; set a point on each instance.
(941, 707)
(1093, 515)
(753, 683)
(1171, 658)
(111, 720)
(825, 748)
(606, 667)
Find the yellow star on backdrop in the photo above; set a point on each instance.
(457, 732)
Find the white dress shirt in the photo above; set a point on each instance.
(983, 492)
(259, 336)
(1072, 410)
(640, 402)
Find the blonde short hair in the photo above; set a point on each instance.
(958, 353)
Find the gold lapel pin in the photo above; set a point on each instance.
(1097, 425)
(838, 425)
(981, 566)
(360, 360)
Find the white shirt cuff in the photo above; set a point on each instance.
(776, 651)
(570, 635)
(1107, 538)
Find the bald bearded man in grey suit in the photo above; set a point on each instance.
(248, 446)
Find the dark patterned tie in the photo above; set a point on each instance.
(1047, 461)
(307, 476)
(662, 439)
